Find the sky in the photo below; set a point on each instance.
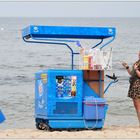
(78, 8)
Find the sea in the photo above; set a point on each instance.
(19, 61)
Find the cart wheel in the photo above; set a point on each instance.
(40, 126)
(43, 126)
(47, 127)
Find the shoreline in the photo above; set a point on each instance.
(118, 132)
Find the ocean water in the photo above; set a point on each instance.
(19, 61)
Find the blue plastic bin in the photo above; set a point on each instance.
(94, 108)
(2, 117)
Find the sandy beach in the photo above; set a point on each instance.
(107, 132)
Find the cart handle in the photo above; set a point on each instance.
(115, 80)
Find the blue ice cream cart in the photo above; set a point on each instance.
(70, 99)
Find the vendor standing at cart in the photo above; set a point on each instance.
(134, 89)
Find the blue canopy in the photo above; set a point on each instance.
(54, 35)
(34, 31)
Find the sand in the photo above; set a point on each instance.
(107, 132)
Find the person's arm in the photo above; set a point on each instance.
(137, 70)
(127, 67)
(138, 73)
(128, 70)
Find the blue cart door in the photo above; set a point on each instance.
(65, 93)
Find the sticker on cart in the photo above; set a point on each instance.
(73, 85)
(40, 87)
(41, 103)
(66, 86)
(36, 29)
(44, 78)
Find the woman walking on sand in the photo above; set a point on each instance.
(134, 89)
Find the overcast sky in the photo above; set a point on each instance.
(69, 9)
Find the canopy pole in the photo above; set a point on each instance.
(107, 42)
(98, 44)
(63, 44)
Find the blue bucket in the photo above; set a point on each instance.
(2, 117)
(95, 110)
